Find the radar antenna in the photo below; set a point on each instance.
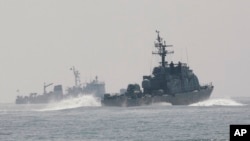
(161, 49)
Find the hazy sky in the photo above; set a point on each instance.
(41, 40)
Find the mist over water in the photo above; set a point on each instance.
(76, 102)
(91, 101)
(218, 102)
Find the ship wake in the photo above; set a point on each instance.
(218, 102)
(71, 103)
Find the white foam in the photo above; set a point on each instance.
(162, 104)
(70, 103)
(218, 102)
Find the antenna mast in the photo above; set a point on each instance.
(161, 49)
(187, 55)
(76, 75)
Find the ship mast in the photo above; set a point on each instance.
(161, 49)
(76, 75)
(45, 86)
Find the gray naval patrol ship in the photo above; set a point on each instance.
(94, 87)
(169, 82)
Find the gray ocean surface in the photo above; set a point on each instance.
(83, 118)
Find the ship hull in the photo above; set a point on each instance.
(177, 99)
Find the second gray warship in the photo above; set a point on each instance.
(169, 82)
(94, 88)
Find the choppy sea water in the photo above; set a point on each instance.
(83, 118)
